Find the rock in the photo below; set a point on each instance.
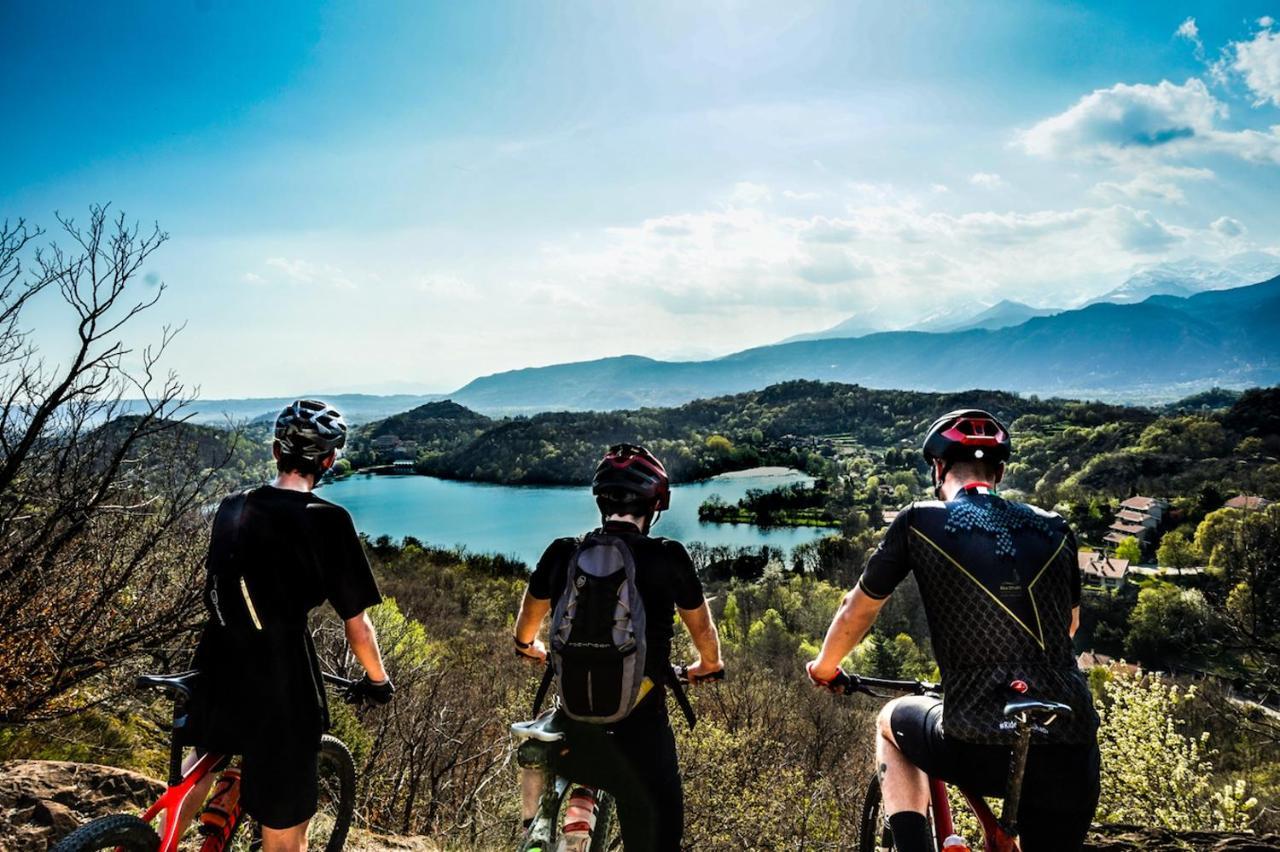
(56, 816)
(41, 801)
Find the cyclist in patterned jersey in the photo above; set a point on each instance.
(1001, 589)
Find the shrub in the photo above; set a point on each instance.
(1153, 772)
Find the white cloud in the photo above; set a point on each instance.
(824, 230)
(300, 271)
(1227, 227)
(832, 266)
(1136, 124)
(1266, 21)
(1156, 183)
(1258, 62)
(986, 180)
(746, 192)
(1140, 231)
(886, 251)
(1110, 123)
(1189, 31)
(792, 195)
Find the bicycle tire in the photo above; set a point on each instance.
(337, 772)
(606, 837)
(120, 831)
(873, 834)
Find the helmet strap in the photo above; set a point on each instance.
(937, 481)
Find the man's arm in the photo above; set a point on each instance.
(364, 644)
(706, 639)
(857, 612)
(532, 612)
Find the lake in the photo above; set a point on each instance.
(521, 521)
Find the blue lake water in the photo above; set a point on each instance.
(520, 521)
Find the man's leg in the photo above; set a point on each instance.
(279, 788)
(292, 839)
(904, 788)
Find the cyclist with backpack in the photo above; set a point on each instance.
(1001, 589)
(277, 552)
(613, 595)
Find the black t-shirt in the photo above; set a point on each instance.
(294, 551)
(999, 580)
(665, 579)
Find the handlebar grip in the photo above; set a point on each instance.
(682, 675)
(845, 683)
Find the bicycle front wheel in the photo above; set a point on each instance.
(606, 836)
(121, 831)
(337, 804)
(873, 832)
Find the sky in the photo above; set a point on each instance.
(405, 196)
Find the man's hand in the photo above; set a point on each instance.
(824, 676)
(534, 652)
(701, 671)
(364, 689)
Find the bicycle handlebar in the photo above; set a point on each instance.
(849, 684)
(335, 680)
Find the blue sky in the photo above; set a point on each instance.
(373, 196)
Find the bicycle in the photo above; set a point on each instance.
(537, 738)
(999, 834)
(130, 833)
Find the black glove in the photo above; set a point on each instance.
(366, 690)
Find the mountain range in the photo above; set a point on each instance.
(356, 407)
(1183, 277)
(1156, 350)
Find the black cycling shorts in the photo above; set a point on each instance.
(1060, 786)
(280, 787)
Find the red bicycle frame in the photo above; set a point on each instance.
(994, 838)
(170, 804)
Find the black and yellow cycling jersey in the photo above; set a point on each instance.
(999, 580)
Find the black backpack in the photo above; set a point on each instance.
(598, 646)
(226, 593)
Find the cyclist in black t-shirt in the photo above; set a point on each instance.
(276, 553)
(634, 759)
(1001, 590)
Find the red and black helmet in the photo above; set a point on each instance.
(969, 433)
(632, 468)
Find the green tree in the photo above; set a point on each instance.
(1177, 552)
(877, 656)
(1129, 549)
(730, 624)
(720, 445)
(1245, 585)
(1168, 624)
(769, 638)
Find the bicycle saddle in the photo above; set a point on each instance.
(180, 683)
(1042, 712)
(546, 728)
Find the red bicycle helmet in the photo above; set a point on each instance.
(969, 433)
(632, 468)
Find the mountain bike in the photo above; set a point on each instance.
(225, 829)
(537, 739)
(999, 834)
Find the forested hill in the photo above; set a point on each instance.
(796, 423)
(1153, 351)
